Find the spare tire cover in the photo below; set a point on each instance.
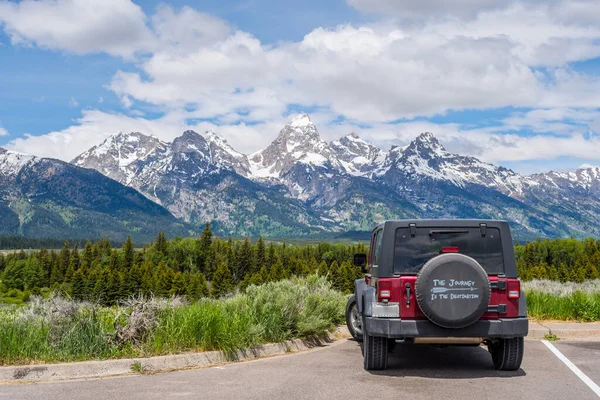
(453, 290)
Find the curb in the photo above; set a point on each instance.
(100, 369)
(565, 331)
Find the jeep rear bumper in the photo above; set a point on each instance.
(397, 328)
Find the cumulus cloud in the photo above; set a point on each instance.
(116, 27)
(94, 126)
(426, 8)
(3, 132)
(420, 59)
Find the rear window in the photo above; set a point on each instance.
(412, 252)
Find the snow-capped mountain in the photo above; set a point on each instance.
(300, 184)
(114, 156)
(298, 142)
(11, 162)
(201, 177)
(357, 156)
(42, 197)
(425, 157)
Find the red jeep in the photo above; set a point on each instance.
(450, 282)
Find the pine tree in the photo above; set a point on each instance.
(161, 244)
(128, 254)
(323, 269)
(245, 262)
(64, 262)
(261, 254)
(196, 286)
(277, 273)
(204, 245)
(272, 257)
(79, 289)
(178, 286)
(88, 256)
(163, 280)
(222, 282)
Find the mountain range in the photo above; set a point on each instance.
(300, 185)
(47, 198)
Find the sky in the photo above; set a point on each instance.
(512, 82)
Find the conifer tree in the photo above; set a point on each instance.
(196, 286)
(277, 272)
(65, 261)
(222, 282)
(79, 286)
(128, 254)
(245, 260)
(178, 287)
(161, 244)
(261, 254)
(87, 257)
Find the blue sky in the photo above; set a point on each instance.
(515, 83)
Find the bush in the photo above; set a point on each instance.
(563, 301)
(60, 329)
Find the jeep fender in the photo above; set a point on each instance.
(359, 287)
(522, 305)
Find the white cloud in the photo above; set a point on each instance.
(94, 126)
(126, 101)
(468, 55)
(73, 103)
(117, 27)
(3, 132)
(424, 9)
(101, 100)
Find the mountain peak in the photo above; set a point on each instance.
(3, 150)
(190, 133)
(426, 143)
(299, 121)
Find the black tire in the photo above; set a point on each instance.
(375, 352)
(354, 320)
(507, 354)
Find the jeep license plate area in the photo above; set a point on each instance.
(386, 310)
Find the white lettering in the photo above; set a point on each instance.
(461, 283)
(463, 296)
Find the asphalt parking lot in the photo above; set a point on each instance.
(336, 372)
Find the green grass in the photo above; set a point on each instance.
(563, 301)
(56, 329)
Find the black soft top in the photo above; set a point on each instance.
(386, 267)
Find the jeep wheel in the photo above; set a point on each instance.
(375, 352)
(507, 354)
(353, 320)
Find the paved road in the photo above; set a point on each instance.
(415, 372)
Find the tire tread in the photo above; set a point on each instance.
(507, 354)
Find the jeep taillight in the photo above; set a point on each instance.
(450, 249)
(513, 287)
(384, 287)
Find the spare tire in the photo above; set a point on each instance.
(453, 290)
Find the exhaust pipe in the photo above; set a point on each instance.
(448, 340)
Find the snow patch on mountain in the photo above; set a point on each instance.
(11, 162)
(357, 156)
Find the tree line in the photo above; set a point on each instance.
(193, 267)
(210, 266)
(559, 259)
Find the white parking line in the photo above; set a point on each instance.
(590, 383)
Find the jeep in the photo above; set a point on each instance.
(443, 282)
